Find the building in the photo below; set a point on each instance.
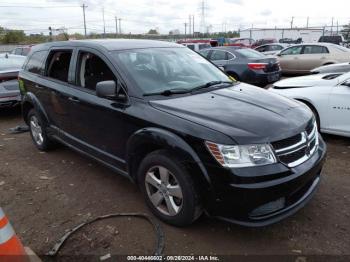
(307, 34)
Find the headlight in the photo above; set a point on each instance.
(242, 155)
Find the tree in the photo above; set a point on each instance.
(14, 37)
(153, 32)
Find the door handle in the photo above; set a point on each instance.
(74, 99)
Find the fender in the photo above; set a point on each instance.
(33, 101)
(164, 139)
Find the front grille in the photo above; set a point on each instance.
(295, 150)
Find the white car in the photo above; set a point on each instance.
(327, 95)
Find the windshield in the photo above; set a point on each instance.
(160, 69)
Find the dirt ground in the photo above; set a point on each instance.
(44, 194)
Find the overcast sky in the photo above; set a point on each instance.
(138, 16)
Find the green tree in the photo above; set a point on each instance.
(14, 37)
(153, 32)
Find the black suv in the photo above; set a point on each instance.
(192, 138)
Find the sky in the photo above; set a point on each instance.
(138, 16)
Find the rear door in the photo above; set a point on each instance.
(290, 59)
(340, 108)
(53, 88)
(313, 56)
(219, 57)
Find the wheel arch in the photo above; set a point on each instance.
(147, 140)
(29, 102)
(312, 107)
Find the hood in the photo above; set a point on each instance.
(245, 113)
(308, 81)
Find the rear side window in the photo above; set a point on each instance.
(217, 55)
(91, 70)
(58, 65)
(312, 49)
(35, 63)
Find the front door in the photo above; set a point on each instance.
(289, 59)
(98, 123)
(340, 108)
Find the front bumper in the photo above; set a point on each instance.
(265, 195)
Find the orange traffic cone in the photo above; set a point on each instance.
(11, 249)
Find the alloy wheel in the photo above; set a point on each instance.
(36, 130)
(164, 190)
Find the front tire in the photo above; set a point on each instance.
(168, 189)
(38, 131)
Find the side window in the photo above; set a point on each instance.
(218, 55)
(205, 53)
(230, 56)
(191, 47)
(18, 51)
(58, 64)
(35, 63)
(91, 70)
(314, 49)
(261, 49)
(295, 50)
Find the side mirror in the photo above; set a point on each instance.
(107, 89)
(346, 83)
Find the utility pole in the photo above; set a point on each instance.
(116, 26)
(84, 6)
(307, 22)
(337, 27)
(189, 25)
(185, 29)
(120, 26)
(193, 25)
(292, 22)
(332, 26)
(104, 22)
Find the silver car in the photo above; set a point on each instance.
(335, 68)
(302, 58)
(10, 65)
(271, 49)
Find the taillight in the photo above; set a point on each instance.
(257, 66)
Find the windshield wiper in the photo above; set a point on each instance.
(210, 84)
(169, 92)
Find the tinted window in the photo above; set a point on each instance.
(261, 49)
(91, 70)
(312, 49)
(295, 50)
(190, 47)
(58, 65)
(250, 53)
(218, 55)
(36, 62)
(276, 47)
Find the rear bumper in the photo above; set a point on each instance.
(262, 78)
(9, 98)
(267, 202)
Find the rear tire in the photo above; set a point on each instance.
(38, 131)
(168, 189)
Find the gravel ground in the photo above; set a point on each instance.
(44, 194)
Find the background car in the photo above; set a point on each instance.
(327, 95)
(240, 42)
(10, 65)
(21, 50)
(300, 59)
(335, 68)
(334, 39)
(291, 41)
(271, 49)
(197, 46)
(264, 41)
(244, 64)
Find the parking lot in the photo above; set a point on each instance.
(48, 193)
